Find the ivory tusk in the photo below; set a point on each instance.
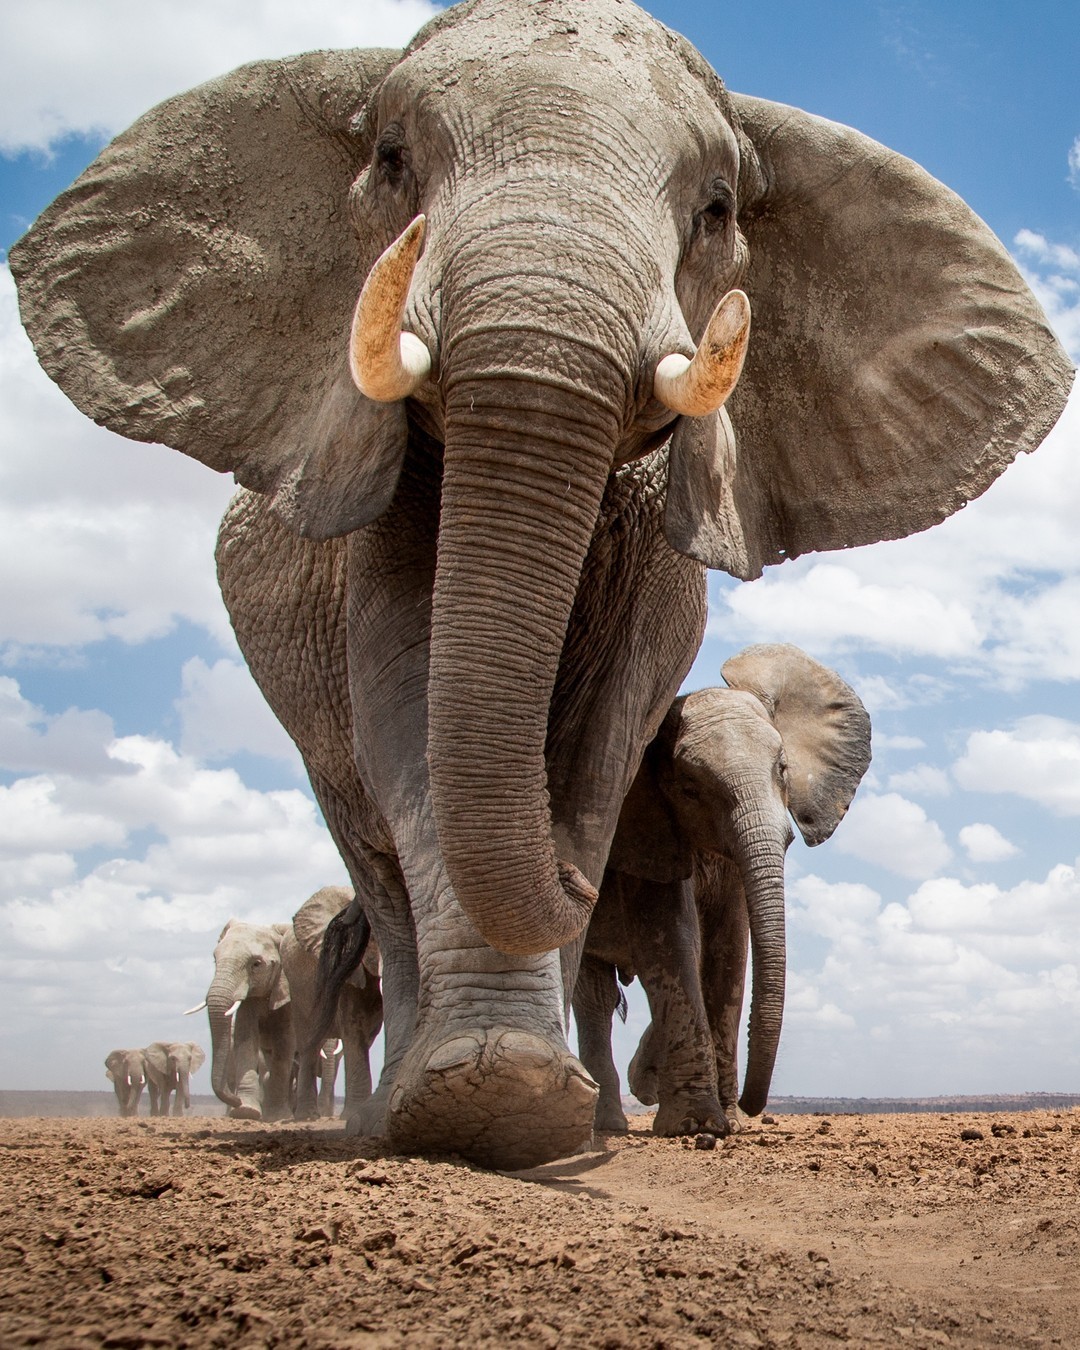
(197, 1008)
(234, 1007)
(702, 386)
(386, 364)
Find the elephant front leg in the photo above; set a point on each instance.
(307, 1092)
(662, 926)
(245, 1064)
(725, 932)
(279, 1048)
(596, 997)
(489, 1074)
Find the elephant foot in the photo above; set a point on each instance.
(501, 1098)
(610, 1117)
(244, 1113)
(695, 1115)
(644, 1082)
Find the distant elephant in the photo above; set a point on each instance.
(358, 1013)
(250, 1019)
(126, 1071)
(472, 558)
(697, 863)
(169, 1065)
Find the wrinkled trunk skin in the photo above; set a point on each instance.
(761, 846)
(227, 986)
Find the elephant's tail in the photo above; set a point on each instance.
(344, 944)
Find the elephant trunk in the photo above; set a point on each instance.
(761, 844)
(227, 987)
(508, 571)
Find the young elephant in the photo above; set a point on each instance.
(169, 1065)
(698, 865)
(248, 1007)
(359, 1010)
(126, 1071)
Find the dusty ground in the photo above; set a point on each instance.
(890, 1230)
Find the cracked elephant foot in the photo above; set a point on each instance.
(501, 1098)
(610, 1117)
(244, 1112)
(691, 1115)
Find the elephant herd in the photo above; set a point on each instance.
(470, 324)
(165, 1067)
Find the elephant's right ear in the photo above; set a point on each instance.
(897, 363)
(647, 841)
(195, 286)
(310, 920)
(823, 724)
(113, 1061)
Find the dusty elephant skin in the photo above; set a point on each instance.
(506, 553)
(806, 1233)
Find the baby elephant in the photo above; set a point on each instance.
(697, 866)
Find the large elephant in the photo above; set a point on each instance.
(525, 472)
(697, 864)
(358, 1014)
(250, 1017)
(126, 1071)
(169, 1066)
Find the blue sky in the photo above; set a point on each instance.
(146, 795)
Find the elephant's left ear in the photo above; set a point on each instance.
(198, 1057)
(897, 362)
(823, 724)
(196, 285)
(157, 1056)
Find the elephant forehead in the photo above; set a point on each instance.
(499, 51)
(719, 721)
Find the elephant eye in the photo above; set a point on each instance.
(390, 152)
(720, 207)
(257, 961)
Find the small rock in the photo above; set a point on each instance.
(972, 1134)
(705, 1141)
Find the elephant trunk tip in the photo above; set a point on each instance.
(546, 929)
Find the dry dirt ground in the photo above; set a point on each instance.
(809, 1231)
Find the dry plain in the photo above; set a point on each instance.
(809, 1231)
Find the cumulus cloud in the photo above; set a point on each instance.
(68, 67)
(985, 844)
(892, 832)
(104, 537)
(115, 885)
(922, 780)
(1038, 758)
(223, 713)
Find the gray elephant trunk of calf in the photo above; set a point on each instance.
(761, 845)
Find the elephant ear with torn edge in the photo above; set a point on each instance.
(897, 363)
(195, 287)
(823, 724)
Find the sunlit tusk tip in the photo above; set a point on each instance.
(698, 387)
(197, 1008)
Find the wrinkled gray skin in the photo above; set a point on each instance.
(126, 1071)
(169, 1066)
(359, 1012)
(247, 970)
(698, 865)
(523, 583)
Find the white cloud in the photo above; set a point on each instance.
(892, 832)
(115, 885)
(99, 536)
(72, 67)
(223, 713)
(1074, 163)
(923, 780)
(1038, 758)
(985, 844)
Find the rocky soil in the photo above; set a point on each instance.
(805, 1232)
